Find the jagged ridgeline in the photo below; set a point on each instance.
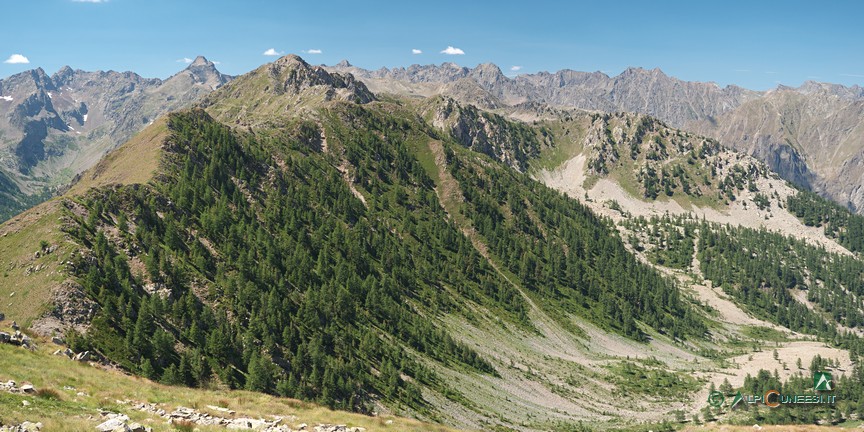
(314, 256)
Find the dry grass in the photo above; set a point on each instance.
(64, 410)
(133, 162)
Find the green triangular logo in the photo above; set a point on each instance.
(822, 381)
(736, 400)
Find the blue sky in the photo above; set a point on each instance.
(755, 44)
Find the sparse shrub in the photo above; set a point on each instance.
(49, 394)
(184, 426)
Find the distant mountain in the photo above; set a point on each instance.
(635, 90)
(811, 135)
(54, 127)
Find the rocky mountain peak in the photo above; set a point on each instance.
(487, 73)
(287, 86)
(639, 71)
(201, 61)
(295, 76)
(291, 60)
(63, 76)
(202, 71)
(344, 64)
(41, 79)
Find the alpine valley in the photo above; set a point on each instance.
(427, 248)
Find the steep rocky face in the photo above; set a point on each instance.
(510, 142)
(54, 127)
(812, 136)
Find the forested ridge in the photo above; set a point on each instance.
(838, 222)
(312, 257)
(250, 263)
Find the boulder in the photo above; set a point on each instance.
(2, 317)
(58, 340)
(15, 326)
(5, 337)
(28, 388)
(30, 427)
(138, 427)
(114, 424)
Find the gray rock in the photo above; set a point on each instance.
(5, 337)
(114, 424)
(31, 427)
(138, 427)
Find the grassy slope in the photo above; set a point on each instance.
(104, 388)
(25, 293)
(20, 237)
(134, 162)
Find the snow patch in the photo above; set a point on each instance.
(50, 96)
(70, 127)
(6, 98)
(85, 118)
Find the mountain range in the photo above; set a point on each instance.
(434, 250)
(54, 127)
(811, 135)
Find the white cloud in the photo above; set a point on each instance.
(17, 59)
(515, 68)
(452, 51)
(416, 51)
(186, 60)
(852, 75)
(272, 52)
(313, 51)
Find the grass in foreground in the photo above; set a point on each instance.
(59, 408)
